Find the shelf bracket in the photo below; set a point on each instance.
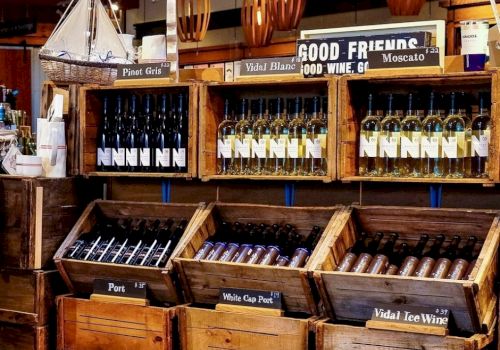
(289, 194)
(166, 189)
(436, 195)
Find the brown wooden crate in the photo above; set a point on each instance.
(87, 324)
(209, 329)
(80, 275)
(90, 116)
(342, 337)
(353, 92)
(471, 302)
(213, 95)
(28, 297)
(61, 207)
(22, 337)
(201, 280)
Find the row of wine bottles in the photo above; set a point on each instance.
(274, 139)
(132, 242)
(142, 140)
(279, 245)
(366, 256)
(454, 147)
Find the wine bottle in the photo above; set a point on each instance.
(365, 258)
(119, 135)
(179, 153)
(368, 141)
(380, 262)
(389, 142)
(316, 142)
(426, 264)
(463, 103)
(146, 135)
(162, 151)
(431, 144)
(297, 135)
(410, 264)
(261, 141)
(411, 133)
(279, 139)
(225, 143)
(443, 264)
(453, 142)
(397, 258)
(132, 138)
(243, 142)
(460, 265)
(481, 139)
(104, 142)
(352, 254)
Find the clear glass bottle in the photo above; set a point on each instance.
(463, 103)
(316, 142)
(481, 139)
(297, 135)
(453, 142)
(369, 133)
(431, 143)
(261, 141)
(243, 141)
(411, 133)
(389, 142)
(279, 138)
(225, 143)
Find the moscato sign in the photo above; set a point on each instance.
(421, 57)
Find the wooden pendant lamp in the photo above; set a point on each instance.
(256, 22)
(405, 7)
(286, 14)
(193, 17)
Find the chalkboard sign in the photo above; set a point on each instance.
(421, 57)
(120, 288)
(143, 70)
(250, 297)
(348, 55)
(423, 316)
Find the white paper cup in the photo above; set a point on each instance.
(28, 165)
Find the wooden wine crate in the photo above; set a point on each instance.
(353, 98)
(213, 95)
(353, 296)
(201, 280)
(71, 118)
(80, 275)
(23, 337)
(90, 325)
(28, 297)
(202, 329)
(37, 214)
(342, 337)
(91, 118)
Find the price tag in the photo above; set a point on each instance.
(120, 288)
(424, 316)
(250, 297)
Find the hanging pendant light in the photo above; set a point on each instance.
(256, 22)
(286, 14)
(405, 7)
(193, 17)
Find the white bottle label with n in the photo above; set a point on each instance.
(224, 148)
(313, 148)
(480, 145)
(293, 148)
(259, 148)
(145, 156)
(162, 157)
(454, 146)
(368, 145)
(131, 156)
(410, 145)
(104, 157)
(179, 157)
(242, 148)
(389, 145)
(430, 146)
(118, 156)
(278, 148)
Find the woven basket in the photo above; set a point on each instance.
(72, 71)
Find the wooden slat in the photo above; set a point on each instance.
(16, 337)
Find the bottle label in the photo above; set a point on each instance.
(104, 157)
(368, 145)
(145, 156)
(313, 148)
(242, 148)
(293, 148)
(224, 148)
(162, 157)
(480, 145)
(118, 156)
(453, 146)
(277, 148)
(179, 157)
(259, 148)
(430, 146)
(389, 145)
(410, 145)
(131, 156)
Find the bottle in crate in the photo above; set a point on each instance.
(431, 142)
(279, 139)
(146, 135)
(389, 142)
(261, 141)
(179, 151)
(297, 135)
(463, 110)
(316, 142)
(480, 139)
(104, 139)
(453, 142)
(132, 138)
(411, 133)
(161, 144)
(118, 138)
(368, 141)
(225, 143)
(243, 141)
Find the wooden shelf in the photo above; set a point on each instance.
(127, 174)
(417, 180)
(325, 178)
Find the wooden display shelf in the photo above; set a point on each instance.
(472, 302)
(213, 95)
(353, 97)
(201, 279)
(22, 337)
(204, 329)
(343, 337)
(38, 214)
(88, 324)
(90, 120)
(161, 283)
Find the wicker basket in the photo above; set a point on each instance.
(72, 71)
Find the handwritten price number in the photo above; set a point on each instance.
(139, 285)
(432, 50)
(442, 312)
(165, 64)
(275, 294)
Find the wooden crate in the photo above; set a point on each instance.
(80, 275)
(352, 296)
(90, 325)
(353, 98)
(90, 120)
(28, 297)
(37, 214)
(342, 337)
(213, 95)
(22, 337)
(201, 279)
(71, 118)
(209, 329)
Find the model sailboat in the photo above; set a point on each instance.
(85, 46)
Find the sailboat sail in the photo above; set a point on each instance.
(107, 43)
(71, 35)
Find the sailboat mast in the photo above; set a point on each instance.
(92, 23)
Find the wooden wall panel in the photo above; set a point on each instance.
(16, 74)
